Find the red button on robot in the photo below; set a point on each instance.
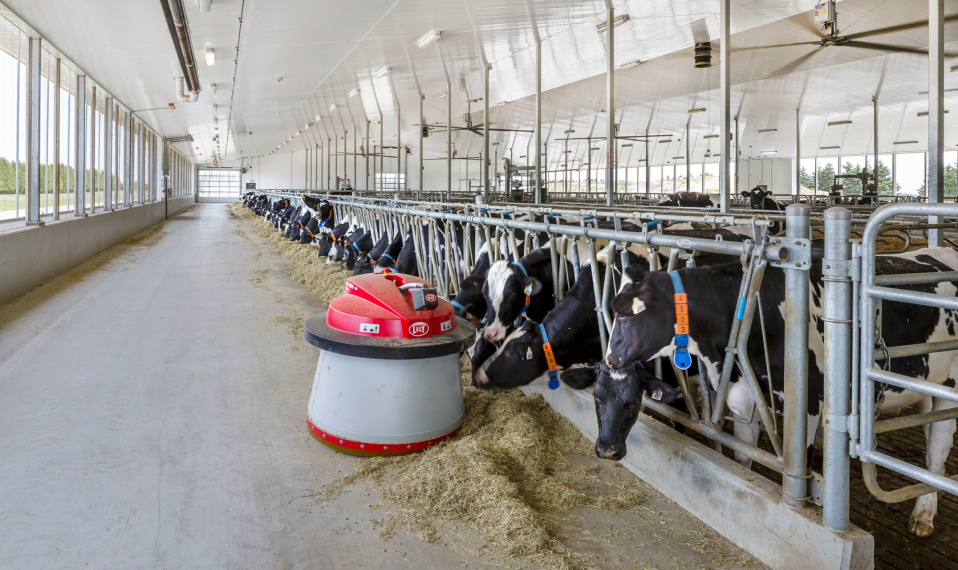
(387, 380)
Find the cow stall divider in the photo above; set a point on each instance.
(491, 224)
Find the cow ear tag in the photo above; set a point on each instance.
(657, 395)
(637, 306)
(529, 353)
(682, 360)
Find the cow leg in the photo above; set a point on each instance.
(741, 403)
(938, 440)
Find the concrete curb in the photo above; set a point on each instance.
(740, 505)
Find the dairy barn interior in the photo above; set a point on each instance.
(557, 284)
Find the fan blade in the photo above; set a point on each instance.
(898, 28)
(891, 48)
(751, 48)
(792, 66)
(884, 47)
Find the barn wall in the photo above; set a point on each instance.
(777, 173)
(34, 255)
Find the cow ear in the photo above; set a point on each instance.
(767, 193)
(745, 193)
(531, 286)
(578, 378)
(629, 303)
(660, 391)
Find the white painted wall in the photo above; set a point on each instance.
(777, 173)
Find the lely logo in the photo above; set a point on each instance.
(418, 329)
(431, 298)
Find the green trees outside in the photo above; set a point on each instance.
(9, 181)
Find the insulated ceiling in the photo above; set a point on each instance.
(296, 58)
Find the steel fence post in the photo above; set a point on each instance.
(837, 309)
(794, 481)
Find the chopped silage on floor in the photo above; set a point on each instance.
(327, 280)
(517, 474)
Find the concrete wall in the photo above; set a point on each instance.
(31, 256)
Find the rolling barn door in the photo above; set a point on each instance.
(218, 184)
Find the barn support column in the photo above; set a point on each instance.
(399, 152)
(382, 150)
(448, 139)
(795, 469)
(108, 156)
(128, 162)
(79, 172)
(329, 158)
(936, 112)
(422, 128)
(837, 306)
(366, 156)
(875, 121)
(33, 133)
(485, 131)
(725, 108)
(798, 154)
(610, 106)
(538, 134)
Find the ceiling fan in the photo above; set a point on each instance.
(826, 20)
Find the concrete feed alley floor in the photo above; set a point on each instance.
(152, 412)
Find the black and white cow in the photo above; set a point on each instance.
(570, 327)
(327, 239)
(644, 329)
(761, 200)
(321, 209)
(686, 200)
(509, 284)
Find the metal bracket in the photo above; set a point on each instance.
(799, 253)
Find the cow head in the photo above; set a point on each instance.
(644, 320)
(470, 301)
(309, 232)
(387, 259)
(618, 398)
(505, 291)
(312, 202)
(518, 362)
(756, 197)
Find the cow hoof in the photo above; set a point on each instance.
(921, 529)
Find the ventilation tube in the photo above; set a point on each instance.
(181, 95)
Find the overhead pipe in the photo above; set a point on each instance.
(180, 92)
(176, 21)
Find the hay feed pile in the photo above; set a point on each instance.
(327, 280)
(508, 475)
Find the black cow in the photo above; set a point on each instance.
(470, 301)
(686, 200)
(321, 209)
(387, 259)
(645, 315)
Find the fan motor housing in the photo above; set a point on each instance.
(703, 54)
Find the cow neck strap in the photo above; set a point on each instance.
(681, 356)
(472, 318)
(389, 257)
(522, 313)
(550, 359)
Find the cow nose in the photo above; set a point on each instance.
(614, 360)
(490, 334)
(479, 377)
(608, 452)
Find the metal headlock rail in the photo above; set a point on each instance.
(852, 302)
(489, 224)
